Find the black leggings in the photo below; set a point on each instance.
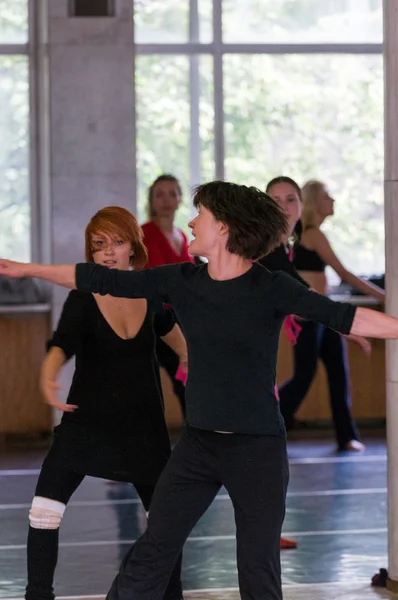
(254, 470)
(314, 342)
(58, 483)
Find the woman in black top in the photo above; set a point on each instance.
(312, 252)
(287, 194)
(113, 424)
(231, 311)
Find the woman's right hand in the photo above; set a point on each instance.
(10, 268)
(49, 389)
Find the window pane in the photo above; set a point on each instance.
(13, 21)
(205, 9)
(164, 124)
(269, 21)
(317, 117)
(161, 21)
(206, 119)
(14, 159)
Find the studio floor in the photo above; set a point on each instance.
(336, 510)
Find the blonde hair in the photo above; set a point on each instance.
(310, 192)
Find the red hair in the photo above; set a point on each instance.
(116, 221)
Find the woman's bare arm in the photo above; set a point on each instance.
(63, 275)
(176, 341)
(320, 243)
(50, 369)
(371, 323)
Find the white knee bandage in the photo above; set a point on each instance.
(46, 513)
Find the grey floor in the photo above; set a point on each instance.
(336, 511)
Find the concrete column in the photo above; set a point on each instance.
(391, 219)
(92, 137)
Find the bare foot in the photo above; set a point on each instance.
(354, 446)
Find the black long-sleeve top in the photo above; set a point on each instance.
(232, 330)
(278, 260)
(119, 430)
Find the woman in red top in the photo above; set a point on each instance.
(166, 244)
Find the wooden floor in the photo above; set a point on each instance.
(336, 511)
(292, 592)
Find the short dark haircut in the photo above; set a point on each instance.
(256, 223)
(284, 179)
(163, 177)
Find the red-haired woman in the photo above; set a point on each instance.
(166, 245)
(113, 424)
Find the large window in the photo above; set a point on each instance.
(249, 89)
(15, 209)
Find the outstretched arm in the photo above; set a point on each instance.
(60, 274)
(89, 277)
(372, 323)
(290, 297)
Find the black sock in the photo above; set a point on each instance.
(42, 560)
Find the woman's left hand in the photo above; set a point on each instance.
(362, 342)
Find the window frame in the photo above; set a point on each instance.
(36, 56)
(217, 49)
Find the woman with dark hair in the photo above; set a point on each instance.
(113, 424)
(166, 244)
(287, 194)
(231, 311)
(312, 252)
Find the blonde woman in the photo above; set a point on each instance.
(312, 253)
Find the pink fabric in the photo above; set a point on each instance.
(292, 329)
(181, 375)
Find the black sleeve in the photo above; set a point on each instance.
(292, 298)
(279, 261)
(152, 284)
(164, 321)
(70, 326)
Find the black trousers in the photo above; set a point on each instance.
(254, 470)
(315, 341)
(59, 484)
(170, 361)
